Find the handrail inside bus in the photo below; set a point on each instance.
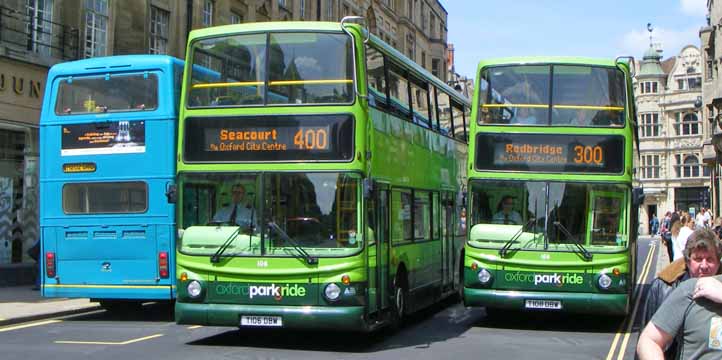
(271, 83)
(544, 106)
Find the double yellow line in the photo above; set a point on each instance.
(630, 319)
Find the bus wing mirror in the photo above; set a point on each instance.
(171, 193)
(637, 196)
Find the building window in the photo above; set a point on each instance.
(650, 167)
(410, 10)
(689, 125)
(432, 25)
(346, 11)
(158, 30)
(39, 27)
(423, 59)
(282, 3)
(708, 68)
(329, 9)
(649, 87)
(96, 28)
(423, 17)
(302, 8)
(650, 126)
(207, 13)
(687, 166)
(694, 83)
(410, 47)
(235, 18)
(435, 67)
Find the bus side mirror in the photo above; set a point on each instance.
(637, 197)
(368, 188)
(171, 193)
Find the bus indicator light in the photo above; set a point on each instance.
(345, 279)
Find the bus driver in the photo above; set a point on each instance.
(505, 212)
(238, 212)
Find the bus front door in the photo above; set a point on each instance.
(378, 251)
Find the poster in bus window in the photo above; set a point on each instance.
(112, 137)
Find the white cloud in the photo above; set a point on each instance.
(636, 42)
(694, 7)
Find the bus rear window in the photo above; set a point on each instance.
(105, 198)
(107, 93)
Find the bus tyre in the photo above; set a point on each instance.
(400, 297)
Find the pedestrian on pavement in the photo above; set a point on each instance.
(699, 219)
(680, 232)
(707, 217)
(654, 225)
(701, 259)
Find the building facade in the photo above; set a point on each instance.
(711, 50)
(670, 166)
(36, 34)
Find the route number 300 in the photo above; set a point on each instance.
(588, 155)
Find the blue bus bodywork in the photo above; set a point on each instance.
(107, 143)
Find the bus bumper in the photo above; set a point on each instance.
(101, 292)
(588, 303)
(346, 318)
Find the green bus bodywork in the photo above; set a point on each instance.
(578, 218)
(316, 223)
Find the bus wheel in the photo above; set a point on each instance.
(400, 292)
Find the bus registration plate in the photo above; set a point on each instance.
(256, 320)
(543, 304)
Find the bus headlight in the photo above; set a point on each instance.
(484, 276)
(332, 292)
(194, 288)
(604, 281)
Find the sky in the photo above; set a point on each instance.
(481, 29)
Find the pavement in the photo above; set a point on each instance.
(22, 303)
(662, 255)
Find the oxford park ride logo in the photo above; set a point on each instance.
(554, 279)
(278, 292)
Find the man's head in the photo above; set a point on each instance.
(702, 253)
(238, 192)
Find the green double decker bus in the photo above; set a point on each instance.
(552, 210)
(320, 176)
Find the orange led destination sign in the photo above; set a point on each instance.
(271, 138)
(550, 153)
(78, 167)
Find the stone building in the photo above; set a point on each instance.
(711, 50)
(671, 133)
(35, 34)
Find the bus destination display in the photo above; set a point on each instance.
(550, 153)
(272, 138)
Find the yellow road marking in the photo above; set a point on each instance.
(108, 342)
(640, 279)
(23, 326)
(193, 327)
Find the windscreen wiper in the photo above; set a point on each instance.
(217, 256)
(585, 253)
(505, 249)
(310, 260)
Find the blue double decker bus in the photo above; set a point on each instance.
(107, 142)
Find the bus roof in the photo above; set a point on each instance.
(528, 60)
(111, 63)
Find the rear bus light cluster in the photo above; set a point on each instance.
(163, 264)
(50, 264)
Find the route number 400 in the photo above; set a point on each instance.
(310, 139)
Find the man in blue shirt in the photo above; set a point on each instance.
(238, 212)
